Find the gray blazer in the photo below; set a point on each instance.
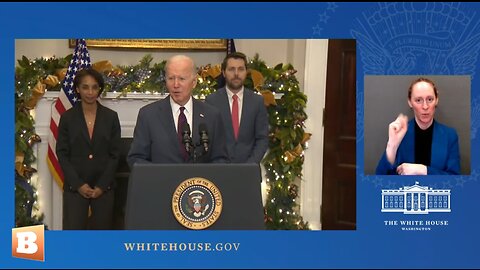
(155, 137)
(252, 140)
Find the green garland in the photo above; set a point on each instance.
(29, 87)
(283, 162)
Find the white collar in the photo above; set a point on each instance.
(239, 93)
(176, 107)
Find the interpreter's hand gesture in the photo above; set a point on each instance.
(412, 169)
(396, 132)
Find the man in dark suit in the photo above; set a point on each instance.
(243, 112)
(161, 126)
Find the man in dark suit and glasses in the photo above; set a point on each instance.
(157, 137)
(243, 112)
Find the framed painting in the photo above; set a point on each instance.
(170, 44)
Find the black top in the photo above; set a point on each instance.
(423, 144)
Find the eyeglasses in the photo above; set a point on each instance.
(420, 101)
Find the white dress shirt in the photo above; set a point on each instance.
(188, 113)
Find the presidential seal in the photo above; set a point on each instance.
(197, 203)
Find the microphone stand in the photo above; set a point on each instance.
(191, 147)
(188, 143)
(194, 153)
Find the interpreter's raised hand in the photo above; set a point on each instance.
(396, 131)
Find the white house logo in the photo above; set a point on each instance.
(415, 199)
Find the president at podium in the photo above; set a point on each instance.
(179, 128)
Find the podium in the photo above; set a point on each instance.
(152, 186)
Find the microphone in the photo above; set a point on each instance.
(203, 136)
(186, 139)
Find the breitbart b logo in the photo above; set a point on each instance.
(28, 243)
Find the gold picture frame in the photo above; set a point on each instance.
(169, 44)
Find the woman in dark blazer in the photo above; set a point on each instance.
(88, 149)
(421, 146)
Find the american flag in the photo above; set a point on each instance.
(230, 46)
(66, 99)
(230, 49)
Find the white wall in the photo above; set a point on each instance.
(315, 83)
(272, 51)
(33, 48)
